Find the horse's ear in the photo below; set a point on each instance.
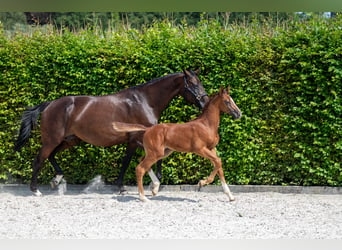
(186, 72)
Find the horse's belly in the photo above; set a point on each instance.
(100, 135)
(99, 140)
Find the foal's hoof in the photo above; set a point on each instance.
(144, 199)
(231, 199)
(200, 185)
(37, 193)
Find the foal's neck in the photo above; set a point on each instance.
(211, 113)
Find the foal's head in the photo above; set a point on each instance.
(193, 90)
(228, 105)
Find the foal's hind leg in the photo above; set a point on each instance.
(157, 179)
(141, 169)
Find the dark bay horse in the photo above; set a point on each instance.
(67, 121)
(199, 136)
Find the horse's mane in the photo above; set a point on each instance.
(154, 80)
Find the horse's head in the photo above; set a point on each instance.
(228, 105)
(193, 90)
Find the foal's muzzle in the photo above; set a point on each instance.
(236, 114)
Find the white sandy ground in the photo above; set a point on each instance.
(169, 215)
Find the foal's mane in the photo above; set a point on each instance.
(211, 98)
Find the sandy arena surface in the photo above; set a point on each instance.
(92, 214)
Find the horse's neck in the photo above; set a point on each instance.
(161, 92)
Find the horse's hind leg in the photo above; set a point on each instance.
(37, 166)
(67, 143)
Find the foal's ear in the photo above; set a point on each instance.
(222, 90)
(228, 89)
(197, 71)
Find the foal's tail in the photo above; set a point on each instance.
(127, 127)
(28, 122)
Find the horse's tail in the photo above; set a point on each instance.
(28, 122)
(128, 127)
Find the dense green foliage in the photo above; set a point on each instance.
(107, 20)
(285, 77)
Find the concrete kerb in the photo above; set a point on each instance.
(109, 189)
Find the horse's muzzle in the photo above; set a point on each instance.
(202, 101)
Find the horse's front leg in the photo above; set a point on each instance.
(125, 163)
(159, 170)
(155, 182)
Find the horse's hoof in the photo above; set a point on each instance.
(56, 181)
(53, 184)
(155, 188)
(37, 193)
(123, 192)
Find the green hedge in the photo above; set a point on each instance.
(286, 79)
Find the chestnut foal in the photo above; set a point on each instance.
(199, 136)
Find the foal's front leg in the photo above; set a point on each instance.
(216, 161)
(225, 187)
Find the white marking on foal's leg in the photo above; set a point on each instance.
(143, 198)
(56, 180)
(155, 181)
(227, 192)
